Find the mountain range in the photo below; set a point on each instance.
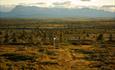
(21, 11)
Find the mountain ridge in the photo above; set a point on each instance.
(39, 12)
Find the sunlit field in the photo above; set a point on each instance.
(52, 44)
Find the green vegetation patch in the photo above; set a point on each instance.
(17, 57)
(85, 51)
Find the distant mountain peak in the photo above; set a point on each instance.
(21, 11)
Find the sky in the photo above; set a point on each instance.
(107, 5)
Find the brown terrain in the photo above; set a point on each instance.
(57, 45)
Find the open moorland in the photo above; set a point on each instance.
(31, 44)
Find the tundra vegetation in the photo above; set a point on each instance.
(31, 44)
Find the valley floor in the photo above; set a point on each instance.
(66, 57)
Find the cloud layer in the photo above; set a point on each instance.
(107, 5)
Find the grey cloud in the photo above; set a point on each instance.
(40, 3)
(85, 0)
(62, 3)
(108, 6)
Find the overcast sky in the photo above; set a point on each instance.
(105, 4)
